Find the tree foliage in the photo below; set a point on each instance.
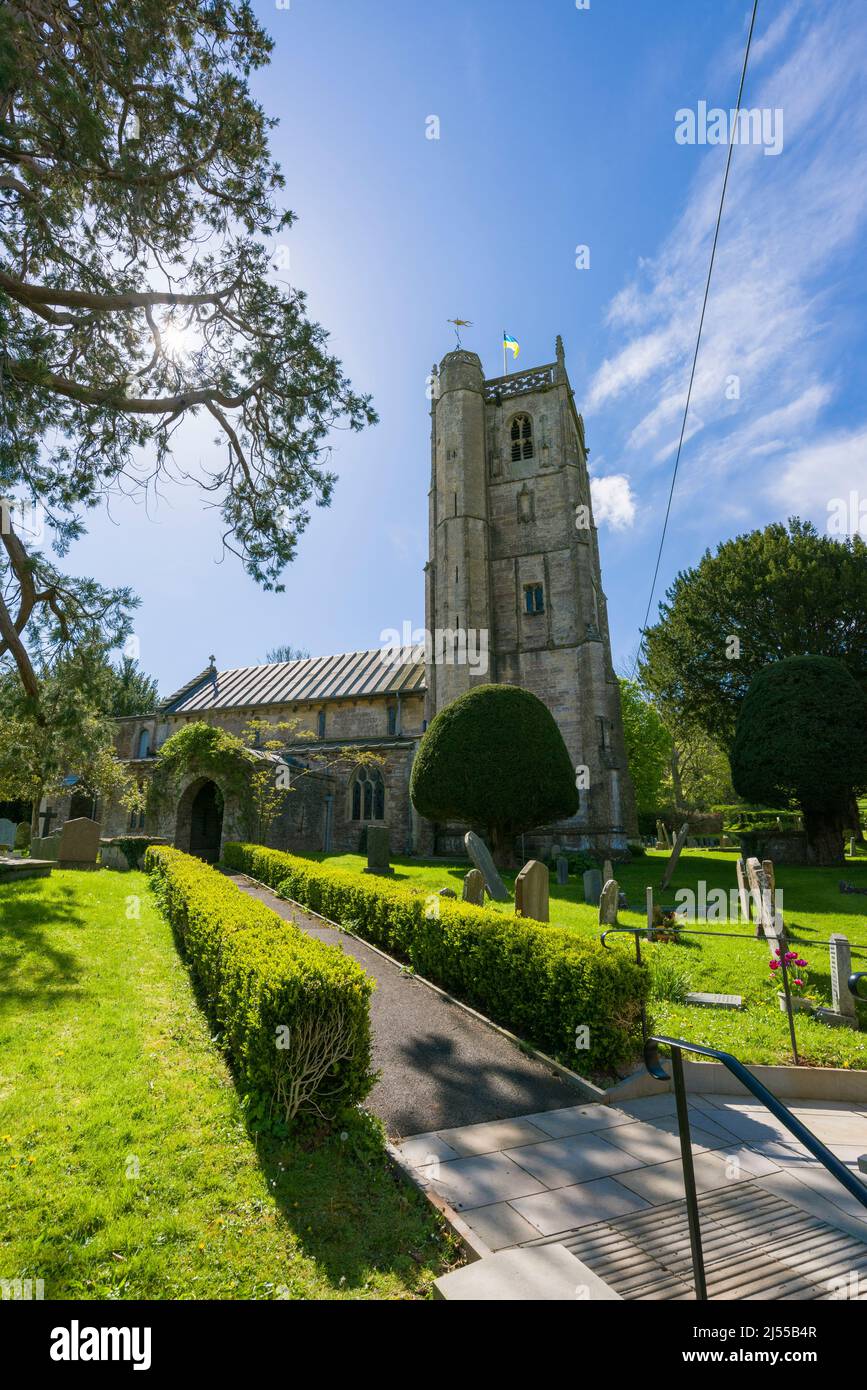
(648, 746)
(802, 736)
(132, 690)
(781, 592)
(138, 198)
(494, 757)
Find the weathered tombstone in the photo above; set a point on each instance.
(648, 899)
(79, 843)
(481, 857)
(45, 847)
(447, 893)
(531, 891)
(763, 903)
(675, 854)
(378, 851)
(592, 886)
(474, 888)
(562, 869)
(608, 903)
(607, 870)
(7, 833)
(743, 890)
(843, 1010)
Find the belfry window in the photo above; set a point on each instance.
(368, 795)
(534, 598)
(521, 435)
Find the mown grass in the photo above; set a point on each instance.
(127, 1169)
(813, 908)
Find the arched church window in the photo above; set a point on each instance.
(144, 744)
(368, 794)
(521, 435)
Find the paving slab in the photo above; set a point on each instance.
(549, 1273)
(663, 1182)
(578, 1119)
(580, 1158)
(492, 1137)
(569, 1208)
(654, 1142)
(500, 1225)
(474, 1182)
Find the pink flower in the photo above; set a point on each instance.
(799, 982)
(791, 955)
(800, 962)
(774, 964)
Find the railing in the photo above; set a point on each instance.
(838, 1170)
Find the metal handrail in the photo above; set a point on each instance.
(838, 1170)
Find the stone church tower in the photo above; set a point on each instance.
(513, 554)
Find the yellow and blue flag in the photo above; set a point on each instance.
(510, 342)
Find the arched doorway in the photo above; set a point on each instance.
(200, 820)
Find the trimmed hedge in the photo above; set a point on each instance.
(295, 1013)
(542, 982)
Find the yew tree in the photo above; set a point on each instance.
(802, 736)
(140, 215)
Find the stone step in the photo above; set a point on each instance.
(548, 1273)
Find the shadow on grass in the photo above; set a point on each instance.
(30, 964)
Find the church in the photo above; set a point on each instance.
(513, 594)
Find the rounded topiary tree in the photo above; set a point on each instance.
(494, 757)
(802, 736)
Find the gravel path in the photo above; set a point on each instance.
(440, 1067)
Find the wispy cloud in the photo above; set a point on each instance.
(769, 371)
(613, 502)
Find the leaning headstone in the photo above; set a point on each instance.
(767, 923)
(648, 899)
(79, 843)
(474, 888)
(743, 890)
(592, 886)
(562, 869)
(675, 854)
(531, 891)
(7, 833)
(608, 903)
(378, 851)
(481, 857)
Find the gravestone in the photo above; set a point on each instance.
(716, 1001)
(843, 1011)
(743, 890)
(562, 870)
(648, 900)
(447, 893)
(481, 857)
(531, 891)
(608, 903)
(7, 833)
(592, 886)
(45, 847)
(675, 854)
(607, 870)
(79, 843)
(474, 888)
(378, 851)
(767, 922)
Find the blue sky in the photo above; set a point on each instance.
(557, 129)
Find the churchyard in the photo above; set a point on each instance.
(814, 909)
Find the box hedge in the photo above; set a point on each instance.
(540, 981)
(294, 1013)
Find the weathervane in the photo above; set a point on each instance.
(459, 324)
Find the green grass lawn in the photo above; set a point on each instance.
(126, 1167)
(813, 908)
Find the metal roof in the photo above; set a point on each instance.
(344, 677)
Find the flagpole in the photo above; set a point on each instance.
(505, 368)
